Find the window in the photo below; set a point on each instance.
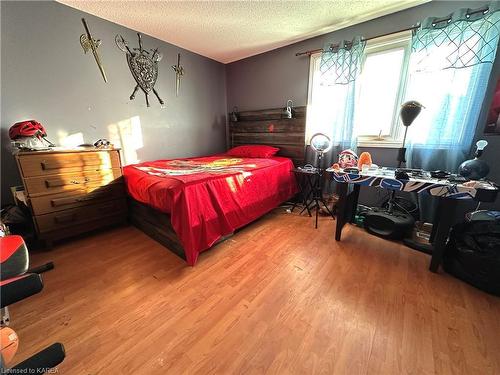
(379, 92)
(448, 103)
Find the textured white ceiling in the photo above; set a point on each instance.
(227, 31)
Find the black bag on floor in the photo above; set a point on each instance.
(19, 222)
(473, 254)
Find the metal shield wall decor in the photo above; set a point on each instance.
(143, 65)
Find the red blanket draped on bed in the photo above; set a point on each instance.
(210, 197)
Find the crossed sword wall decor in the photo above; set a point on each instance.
(143, 64)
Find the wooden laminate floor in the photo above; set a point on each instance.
(278, 297)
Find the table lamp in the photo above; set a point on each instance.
(408, 113)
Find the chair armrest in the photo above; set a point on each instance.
(41, 362)
(18, 288)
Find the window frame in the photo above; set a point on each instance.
(377, 45)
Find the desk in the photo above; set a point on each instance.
(449, 195)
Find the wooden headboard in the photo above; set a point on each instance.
(267, 127)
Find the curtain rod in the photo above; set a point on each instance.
(310, 52)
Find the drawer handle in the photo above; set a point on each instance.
(71, 164)
(46, 166)
(76, 182)
(61, 219)
(64, 201)
(58, 182)
(87, 198)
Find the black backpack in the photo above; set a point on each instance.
(473, 254)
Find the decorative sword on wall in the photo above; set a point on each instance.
(179, 72)
(89, 43)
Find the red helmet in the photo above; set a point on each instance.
(30, 128)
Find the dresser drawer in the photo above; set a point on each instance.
(71, 199)
(79, 216)
(71, 181)
(45, 164)
(88, 226)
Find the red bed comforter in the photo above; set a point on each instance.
(210, 197)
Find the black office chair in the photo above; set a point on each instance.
(16, 284)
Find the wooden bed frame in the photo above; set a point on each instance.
(267, 127)
(253, 127)
(155, 224)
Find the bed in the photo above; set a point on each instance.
(191, 204)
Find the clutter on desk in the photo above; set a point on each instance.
(439, 174)
(103, 143)
(308, 168)
(352, 170)
(401, 174)
(100, 143)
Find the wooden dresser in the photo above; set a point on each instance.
(73, 191)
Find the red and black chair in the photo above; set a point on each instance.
(16, 284)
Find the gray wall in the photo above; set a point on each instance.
(269, 79)
(492, 152)
(45, 76)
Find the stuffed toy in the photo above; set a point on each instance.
(348, 159)
(364, 159)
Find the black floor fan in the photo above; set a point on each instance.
(390, 222)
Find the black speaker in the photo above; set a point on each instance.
(395, 225)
